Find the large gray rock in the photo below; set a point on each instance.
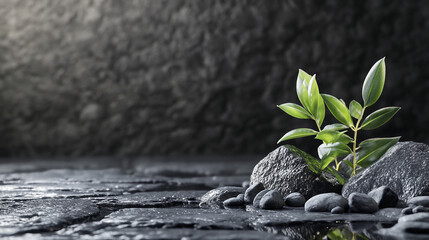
(285, 170)
(404, 168)
(43, 214)
(161, 72)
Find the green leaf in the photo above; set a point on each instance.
(302, 83)
(326, 161)
(350, 164)
(297, 133)
(338, 176)
(331, 136)
(337, 149)
(372, 149)
(335, 126)
(379, 117)
(355, 109)
(374, 83)
(338, 109)
(320, 115)
(313, 95)
(295, 110)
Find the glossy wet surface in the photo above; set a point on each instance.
(156, 199)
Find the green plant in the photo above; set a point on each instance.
(335, 140)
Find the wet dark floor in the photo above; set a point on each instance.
(154, 198)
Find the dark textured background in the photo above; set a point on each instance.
(196, 77)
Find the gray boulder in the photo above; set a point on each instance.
(217, 196)
(251, 192)
(362, 203)
(384, 196)
(286, 170)
(419, 201)
(272, 200)
(325, 202)
(404, 168)
(295, 199)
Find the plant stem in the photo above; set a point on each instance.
(355, 130)
(317, 124)
(337, 165)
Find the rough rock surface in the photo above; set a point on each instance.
(404, 168)
(168, 71)
(43, 215)
(285, 169)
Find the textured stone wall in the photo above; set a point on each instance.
(194, 77)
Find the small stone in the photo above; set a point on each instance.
(252, 191)
(407, 210)
(337, 210)
(362, 203)
(325, 202)
(272, 200)
(419, 201)
(245, 184)
(233, 202)
(216, 196)
(295, 199)
(401, 204)
(419, 209)
(418, 217)
(258, 197)
(384, 197)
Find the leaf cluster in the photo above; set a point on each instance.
(335, 141)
